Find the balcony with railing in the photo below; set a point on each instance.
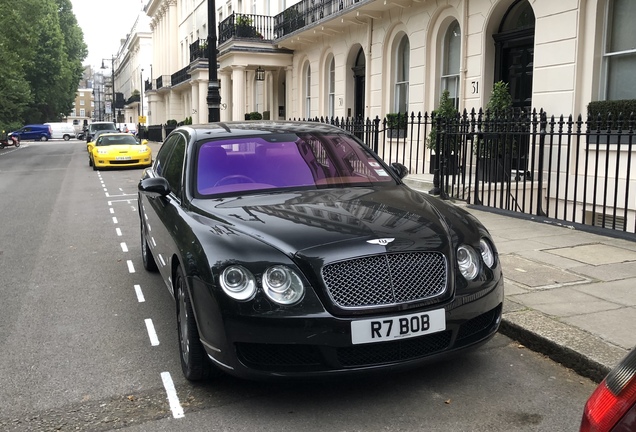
(147, 85)
(246, 26)
(163, 81)
(309, 12)
(198, 50)
(180, 76)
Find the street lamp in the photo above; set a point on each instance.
(112, 69)
(141, 96)
(214, 98)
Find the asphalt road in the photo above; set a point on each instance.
(88, 338)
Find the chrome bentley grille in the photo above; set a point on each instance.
(386, 279)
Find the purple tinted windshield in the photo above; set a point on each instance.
(283, 162)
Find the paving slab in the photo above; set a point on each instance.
(620, 291)
(564, 302)
(617, 326)
(536, 275)
(596, 254)
(609, 272)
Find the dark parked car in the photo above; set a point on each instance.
(291, 249)
(36, 132)
(612, 406)
(98, 126)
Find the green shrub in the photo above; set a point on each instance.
(447, 112)
(624, 107)
(253, 116)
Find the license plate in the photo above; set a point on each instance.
(399, 327)
(123, 157)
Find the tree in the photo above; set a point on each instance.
(41, 67)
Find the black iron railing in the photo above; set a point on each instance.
(147, 85)
(308, 12)
(163, 81)
(246, 26)
(180, 76)
(132, 99)
(199, 50)
(577, 171)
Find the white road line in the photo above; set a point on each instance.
(112, 210)
(173, 399)
(124, 247)
(152, 334)
(140, 294)
(114, 220)
(131, 267)
(118, 231)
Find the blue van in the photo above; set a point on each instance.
(38, 132)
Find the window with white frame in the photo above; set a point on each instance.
(82, 102)
(308, 91)
(331, 96)
(401, 96)
(450, 62)
(82, 112)
(619, 56)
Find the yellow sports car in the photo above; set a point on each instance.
(112, 150)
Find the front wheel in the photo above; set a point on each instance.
(194, 360)
(43, 138)
(146, 255)
(67, 137)
(17, 143)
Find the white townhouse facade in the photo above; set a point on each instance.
(133, 64)
(367, 58)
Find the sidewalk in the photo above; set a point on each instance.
(568, 294)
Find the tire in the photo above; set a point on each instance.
(90, 162)
(67, 137)
(17, 143)
(94, 167)
(43, 138)
(146, 255)
(195, 363)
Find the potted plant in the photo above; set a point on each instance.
(445, 115)
(244, 27)
(495, 149)
(396, 124)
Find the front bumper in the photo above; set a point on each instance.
(137, 161)
(261, 347)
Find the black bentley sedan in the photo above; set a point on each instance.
(292, 249)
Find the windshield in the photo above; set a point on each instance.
(302, 160)
(116, 139)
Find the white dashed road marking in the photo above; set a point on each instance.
(152, 334)
(131, 267)
(140, 294)
(173, 399)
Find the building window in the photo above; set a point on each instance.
(82, 112)
(451, 58)
(81, 94)
(619, 57)
(308, 92)
(401, 101)
(331, 97)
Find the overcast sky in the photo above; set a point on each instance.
(105, 23)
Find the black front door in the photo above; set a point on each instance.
(516, 63)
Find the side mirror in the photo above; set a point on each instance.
(145, 141)
(399, 169)
(154, 187)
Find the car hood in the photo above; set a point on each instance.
(120, 148)
(388, 219)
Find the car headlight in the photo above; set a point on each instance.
(238, 283)
(282, 285)
(143, 149)
(468, 262)
(487, 252)
(102, 151)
